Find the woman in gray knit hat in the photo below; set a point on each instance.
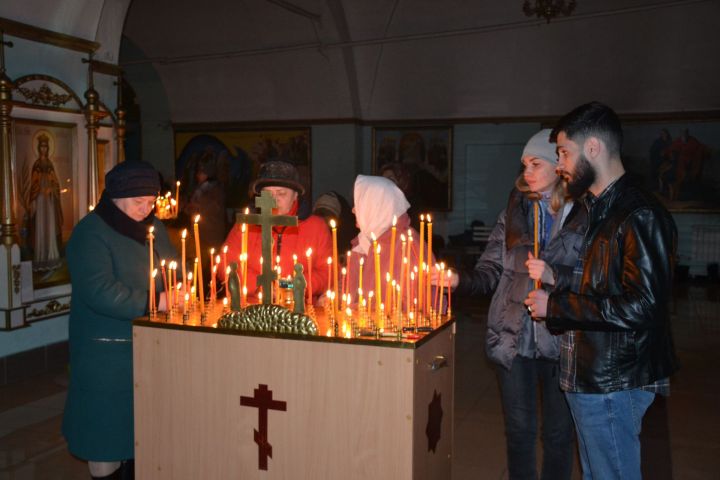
(526, 353)
(108, 257)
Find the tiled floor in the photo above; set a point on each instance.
(681, 435)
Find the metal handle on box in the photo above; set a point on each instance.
(438, 362)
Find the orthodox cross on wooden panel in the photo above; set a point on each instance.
(263, 401)
(266, 220)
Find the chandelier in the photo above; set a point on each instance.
(548, 9)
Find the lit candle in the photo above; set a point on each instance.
(329, 284)
(308, 259)
(195, 277)
(342, 286)
(152, 278)
(360, 277)
(212, 283)
(184, 261)
(347, 278)
(333, 227)
(171, 283)
(536, 236)
(388, 300)
(177, 194)
(398, 307)
(428, 297)
(294, 260)
(402, 283)
(393, 237)
(438, 289)
(165, 284)
(178, 289)
(224, 265)
(421, 267)
(151, 292)
(185, 304)
(245, 245)
(200, 275)
(378, 285)
(244, 297)
(404, 280)
(449, 288)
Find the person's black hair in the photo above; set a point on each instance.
(592, 119)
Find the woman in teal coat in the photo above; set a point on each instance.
(108, 257)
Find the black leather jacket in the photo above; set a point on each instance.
(620, 309)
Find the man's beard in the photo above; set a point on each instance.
(581, 179)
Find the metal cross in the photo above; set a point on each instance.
(266, 220)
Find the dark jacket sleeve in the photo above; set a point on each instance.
(484, 278)
(644, 279)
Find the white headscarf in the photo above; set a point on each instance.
(377, 201)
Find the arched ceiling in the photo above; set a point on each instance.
(230, 60)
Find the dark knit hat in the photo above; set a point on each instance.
(276, 173)
(132, 178)
(327, 204)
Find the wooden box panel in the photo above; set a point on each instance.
(352, 410)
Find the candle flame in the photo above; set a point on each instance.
(387, 276)
(329, 261)
(260, 296)
(378, 249)
(91, 207)
(247, 210)
(162, 262)
(394, 220)
(196, 259)
(177, 183)
(179, 286)
(212, 251)
(402, 238)
(244, 290)
(333, 225)
(217, 259)
(225, 248)
(344, 270)
(449, 273)
(225, 301)
(197, 218)
(308, 252)
(214, 269)
(184, 233)
(242, 229)
(422, 217)
(154, 272)
(362, 261)
(348, 255)
(189, 276)
(151, 230)
(371, 294)
(428, 218)
(168, 194)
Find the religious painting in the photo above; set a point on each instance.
(46, 195)
(678, 161)
(237, 155)
(419, 160)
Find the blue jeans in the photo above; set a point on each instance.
(608, 429)
(519, 391)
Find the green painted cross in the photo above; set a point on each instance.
(265, 202)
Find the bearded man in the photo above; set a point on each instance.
(617, 351)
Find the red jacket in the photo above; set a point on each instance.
(310, 233)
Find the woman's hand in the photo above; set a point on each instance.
(539, 270)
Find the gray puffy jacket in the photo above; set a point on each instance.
(501, 269)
